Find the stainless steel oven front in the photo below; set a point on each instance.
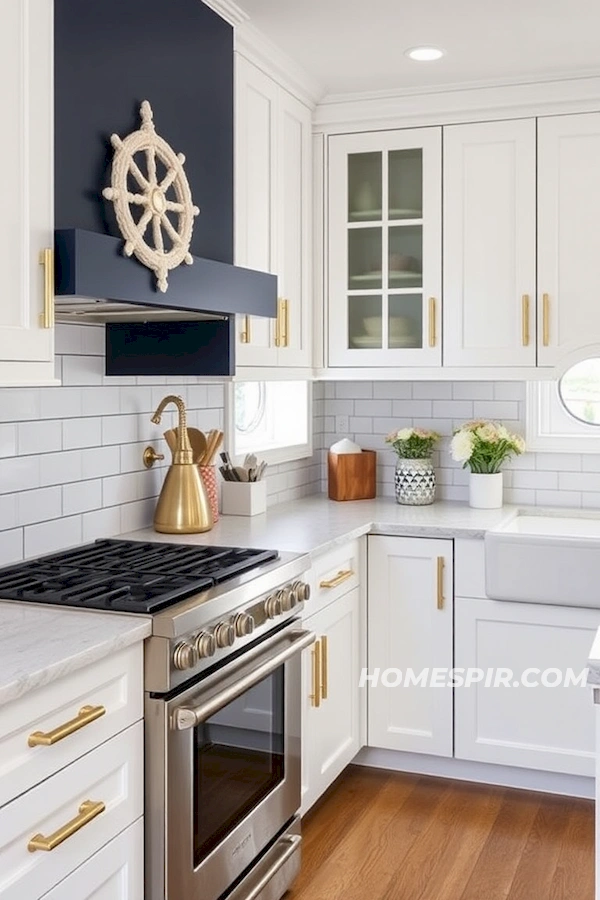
(223, 777)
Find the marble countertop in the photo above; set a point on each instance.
(41, 644)
(315, 524)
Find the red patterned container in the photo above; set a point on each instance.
(209, 477)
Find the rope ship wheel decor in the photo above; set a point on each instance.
(170, 244)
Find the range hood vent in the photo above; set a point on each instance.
(96, 283)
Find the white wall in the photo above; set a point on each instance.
(376, 408)
(71, 456)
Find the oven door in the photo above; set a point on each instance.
(233, 766)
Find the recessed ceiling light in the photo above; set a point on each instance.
(424, 54)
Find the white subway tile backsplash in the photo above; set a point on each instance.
(432, 390)
(39, 437)
(473, 390)
(50, 536)
(80, 433)
(8, 440)
(19, 405)
(535, 479)
(39, 505)
(82, 370)
(393, 390)
(81, 497)
(453, 409)
(372, 407)
(353, 389)
(60, 468)
(19, 473)
(496, 409)
(11, 546)
(101, 523)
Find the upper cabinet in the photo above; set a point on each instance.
(384, 253)
(568, 246)
(273, 192)
(26, 158)
(489, 244)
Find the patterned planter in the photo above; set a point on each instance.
(414, 481)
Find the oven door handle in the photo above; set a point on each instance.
(289, 844)
(185, 717)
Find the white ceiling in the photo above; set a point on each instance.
(358, 45)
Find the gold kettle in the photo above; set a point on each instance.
(183, 506)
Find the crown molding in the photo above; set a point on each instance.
(260, 50)
(228, 10)
(460, 102)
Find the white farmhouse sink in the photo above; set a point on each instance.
(544, 559)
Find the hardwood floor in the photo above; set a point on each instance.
(380, 835)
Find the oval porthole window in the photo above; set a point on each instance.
(579, 391)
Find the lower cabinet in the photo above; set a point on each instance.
(409, 635)
(331, 700)
(113, 873)
(539, 727)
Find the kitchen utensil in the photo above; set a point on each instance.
(241, 473)
(213, 443)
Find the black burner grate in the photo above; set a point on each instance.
(126, 576)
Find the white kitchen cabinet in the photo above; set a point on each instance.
(102, 792)
(273, 171)
(114, 873)
(409, 630)
(384, 249)
(331, 722)
(544, 728)
(26, 160)
(568, 258)
(490, 244)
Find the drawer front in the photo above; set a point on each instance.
(114, 684)
(334, 574)
(112, 774)
(114, 873)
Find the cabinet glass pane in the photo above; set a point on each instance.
(405, 184)
(405, 321)
(365, 322)
(405, 256)
(364, 259)
(364, 187)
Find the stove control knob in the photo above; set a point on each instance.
(302, 590)
(206, 644)
(224, 634)
(288, 599)
(243, 624)
(273, 606)
(185, 656)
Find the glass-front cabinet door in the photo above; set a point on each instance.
(385, 220)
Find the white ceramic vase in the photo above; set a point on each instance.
(485, 491)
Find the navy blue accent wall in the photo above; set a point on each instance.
(109, 56)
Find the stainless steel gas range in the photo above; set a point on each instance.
(222, 711)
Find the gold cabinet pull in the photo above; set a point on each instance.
(286, 323)
(545, 319)
(344, 575)
(440, 582)
(324, 667)
(246, 335)
(315, 696)
(47, 261)
(87, 811)
(525, 319)
(432, 323)
(85, 715)
(278, 324)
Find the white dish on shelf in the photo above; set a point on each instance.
(393, 276)
(406, 213)
(366, 341)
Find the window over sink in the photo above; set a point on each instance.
(272, 419)
(564, 415)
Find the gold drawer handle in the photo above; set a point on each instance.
(324, 667)
(344, 575)
(440, 582)
(286, 322)
(525, 323)
(246, 335)
(279, 324)
(315, 697)
(87, 811)
(85, 715)
(545, 319)
(47, 261)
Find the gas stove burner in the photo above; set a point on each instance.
(127, 576)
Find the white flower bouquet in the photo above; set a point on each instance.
(413, 443)
(484, 447)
